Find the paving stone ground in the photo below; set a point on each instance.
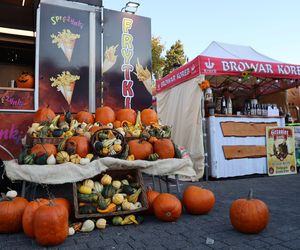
(280, 193)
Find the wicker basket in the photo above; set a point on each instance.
(117, 134)
(31, 141)
(118, 175)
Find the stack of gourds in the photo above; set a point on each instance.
(108, 195)
(147, 138)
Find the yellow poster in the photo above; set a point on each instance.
(281, 151)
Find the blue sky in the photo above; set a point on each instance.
(270, 27)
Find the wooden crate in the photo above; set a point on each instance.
(116, 175)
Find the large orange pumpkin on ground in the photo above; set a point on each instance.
(198, 200)
(50, 224)
(126, 115)
(140, 149)
(167, 207)
(25, 80)
(105, 115)
(164, 148)
(11, 212)
(85, 116)
(40, 149)
(80, 144)
(43, 115)
(151, 196)
(63, 202)
(27, 220)
(148, 117)
(249, 215)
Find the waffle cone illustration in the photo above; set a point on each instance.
(109, 58)
(67, 91)
(68, 47)
(65, 40)
(65, 83)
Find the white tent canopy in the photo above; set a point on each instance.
(225, 50)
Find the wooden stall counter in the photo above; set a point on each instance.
(16, 99)
(237, 144)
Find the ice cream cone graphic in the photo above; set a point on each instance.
(67, 91)
(66, 41)
(68, 47)
(65, 83)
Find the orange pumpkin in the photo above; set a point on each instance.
(28, 214)
(126, 115)
(198, 200)
(25, 80)
(152, 139)
(63, 202)
(140, 149)
(84, 116)
(94, 129)
(105, 115)
(164, 148)
(40, 149)
(117, 124)
(43, 115)
(167, 207)
(148, 117)
(50, 224)
(250, 215)
(11, 212)
(151, 195)
(81, 145)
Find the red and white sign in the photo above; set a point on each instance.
(179, 75)
(225, 66)
(221, 66)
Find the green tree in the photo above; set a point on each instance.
(174, 56)
(158, 60)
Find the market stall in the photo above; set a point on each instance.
(254, 86)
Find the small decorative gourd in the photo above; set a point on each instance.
(126, 205)
(116, 184)
(153, 157)
(98, 187)
(62, 157)
(85, 190)
(89, 183)
(88, 226)
(75, 159)
(108, 191)
(106, 179)
(118, 199)
(101, 223)
(51, 160)
(84, 161)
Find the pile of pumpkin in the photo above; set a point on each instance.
(108, 195)
(47, 220)
(249, 215)
(42, 219)
(147, 139)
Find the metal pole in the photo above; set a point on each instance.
(203, 121)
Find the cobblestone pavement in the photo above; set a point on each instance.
(194, 232)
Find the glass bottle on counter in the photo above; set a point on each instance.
(223, 106)
(263, 110)
(258, 109)
(229, 106)
(253, 110)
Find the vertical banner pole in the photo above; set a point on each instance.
(101, 55)
(92, 62)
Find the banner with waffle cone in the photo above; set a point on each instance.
(66, 41)
(65, 83)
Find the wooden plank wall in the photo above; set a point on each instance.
(244, 151)
(244, 129)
